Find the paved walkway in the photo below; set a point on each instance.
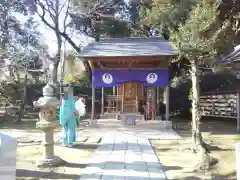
(124, 157)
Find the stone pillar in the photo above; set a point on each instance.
(238, 111)
(102, 104)
(167, 122)
(8, 148)
(114, 90)
(93, 122)
(238, 160)
(167, 103)
(158, 101)
(48, 105)
(93, 103)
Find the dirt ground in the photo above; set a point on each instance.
(28, 153)
(175, 155)
(178, 160)
(76, 159)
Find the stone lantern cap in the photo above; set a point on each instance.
(48, 99)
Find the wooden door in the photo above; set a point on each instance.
(132, 92)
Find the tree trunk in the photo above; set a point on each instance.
(196, 116)
(57, 60)
(23, 98)
(5, 36)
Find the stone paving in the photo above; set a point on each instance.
(125, 152)
(124, 157)
(149, 130)
(153, 134)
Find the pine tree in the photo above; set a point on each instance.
(199, 39)
(166, 14)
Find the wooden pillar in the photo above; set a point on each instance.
(118, 101)
(102, 103)
(93, 100)
(158, 100)
(123, 95)
(114, 102)
(137, 104)
(238, 111)
(167, 104)
(114, 90)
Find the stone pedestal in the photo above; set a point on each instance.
(8, 148)
(238, 160)
(129, 119)
(48, 122)
(93, 123)
(168, 125)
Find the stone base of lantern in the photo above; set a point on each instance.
(53, 161)
(93, 123)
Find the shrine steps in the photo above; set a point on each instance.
(114, 123)
(120, 116)
(114, 120)
(109, 115)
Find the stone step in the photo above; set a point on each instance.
(108, 116)
(138, 117)
(120, 116)
(113, 123)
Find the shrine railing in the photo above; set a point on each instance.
(117, 103)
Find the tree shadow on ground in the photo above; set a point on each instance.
(83, 146)
(162, 149)
(215, 126)
(216, 148)
(229, 176)
(191, 178)
(75, 165)
(23, 173)
(49, 174)
(86, 146)
(168, 168)
(25, 124)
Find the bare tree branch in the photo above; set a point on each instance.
(51, 5)
(66, 15)
(77, 48)
(42, 16)
(54, 11)
(64, 4)
(49, 9)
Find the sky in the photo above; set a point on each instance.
(49, 36)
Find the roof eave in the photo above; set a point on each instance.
(169, 55)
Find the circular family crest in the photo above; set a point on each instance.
(107, 78)
(152, 78)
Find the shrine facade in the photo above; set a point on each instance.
(135, 68)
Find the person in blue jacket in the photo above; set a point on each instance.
(68, 118)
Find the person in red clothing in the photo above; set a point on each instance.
(153, 109)
(144, 107)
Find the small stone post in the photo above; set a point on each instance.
(238, 160)
(48, 122)
(167, 122)
(102, 102)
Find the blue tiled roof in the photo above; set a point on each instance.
(231, 58)
(129, 47)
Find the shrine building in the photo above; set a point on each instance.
(136, 68)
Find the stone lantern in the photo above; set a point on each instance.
(48, 105)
